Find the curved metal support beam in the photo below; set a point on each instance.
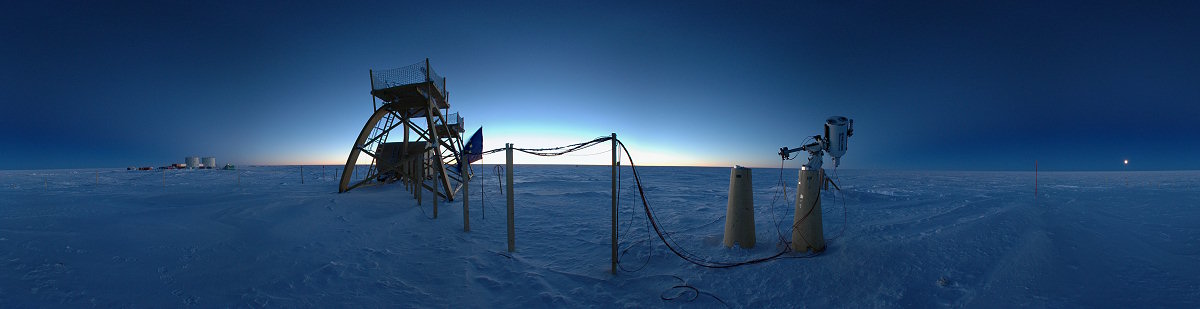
(365, 134)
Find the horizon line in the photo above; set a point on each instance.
(700, 166)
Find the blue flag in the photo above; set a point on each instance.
(473, 150)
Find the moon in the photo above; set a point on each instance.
(1126, 161)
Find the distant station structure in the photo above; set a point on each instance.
(425, 155)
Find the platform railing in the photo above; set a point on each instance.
(412, 74)
(438, 81)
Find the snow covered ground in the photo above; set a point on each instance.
(257, 237)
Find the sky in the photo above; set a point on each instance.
(939, 85)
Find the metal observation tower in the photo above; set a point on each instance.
(427, 156)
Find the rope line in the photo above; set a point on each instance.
(555, 151)
(681, 252)
(652, 221)
(845, 212)
(695, 292)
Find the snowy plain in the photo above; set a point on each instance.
(258, 237)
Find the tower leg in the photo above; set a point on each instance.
(807, 232)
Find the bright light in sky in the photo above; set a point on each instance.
(1126, 161)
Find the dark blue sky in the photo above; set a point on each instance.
(959, 85)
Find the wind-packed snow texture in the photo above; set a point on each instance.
(257, 237)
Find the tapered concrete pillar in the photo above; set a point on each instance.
(739, 212)
(807, 233)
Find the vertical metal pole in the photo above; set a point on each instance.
(482, 196)
(614, 203)
(436, 190)
(301, 174)
(404, 149)
(374, 106)
(466, 203)
(508, 175)
(418, 184)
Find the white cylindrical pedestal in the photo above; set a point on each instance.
(739, 213)
(807, 233)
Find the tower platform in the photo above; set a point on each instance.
(427, 144)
